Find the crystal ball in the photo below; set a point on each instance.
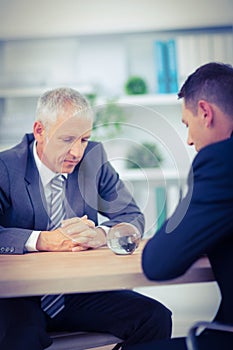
(123, 238)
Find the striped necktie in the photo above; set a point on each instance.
(57, 208)
(53, 304)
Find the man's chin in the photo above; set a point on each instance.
(68, 169)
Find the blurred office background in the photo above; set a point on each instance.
(98, 46)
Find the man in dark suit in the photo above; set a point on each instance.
(202, 222)
(86, 185)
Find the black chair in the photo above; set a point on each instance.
(81, 340)
(210, 335)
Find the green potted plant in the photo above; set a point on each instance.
(135, 85)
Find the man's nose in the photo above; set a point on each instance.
(76, 149)
(189, 141)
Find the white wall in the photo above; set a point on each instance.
(23, 18)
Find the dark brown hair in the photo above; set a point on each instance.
(212, 82)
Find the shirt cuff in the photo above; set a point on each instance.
(30, 245)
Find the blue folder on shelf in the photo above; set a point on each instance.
(160, 66)
(166, 66)
(172, 66)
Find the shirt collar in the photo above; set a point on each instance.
(46, 174)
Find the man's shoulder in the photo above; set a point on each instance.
(215, 158)
(94, 144)
(94, 147)
(220, 149)
(18, 152)
(95, 155)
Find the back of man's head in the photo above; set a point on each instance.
(212, 82)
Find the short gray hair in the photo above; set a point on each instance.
(54, 102)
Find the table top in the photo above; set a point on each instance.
(92, 270)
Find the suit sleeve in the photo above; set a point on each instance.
(12, 239)
(200, 221)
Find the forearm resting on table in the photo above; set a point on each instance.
(75, 234)
(54, 241)
(60, 240)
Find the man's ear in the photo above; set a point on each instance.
(38, 131)
(206, 113)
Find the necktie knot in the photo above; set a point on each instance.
(57, 183)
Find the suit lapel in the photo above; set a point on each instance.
(75, 196)
(36, 194)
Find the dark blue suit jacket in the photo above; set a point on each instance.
(201, 224)
(93, 187)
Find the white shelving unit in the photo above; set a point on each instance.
(24, 92)
(102, 64)
(150, 100)
(143, 184)
(145, 99)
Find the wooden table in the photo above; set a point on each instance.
(92, 270)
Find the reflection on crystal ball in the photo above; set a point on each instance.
(123, 238)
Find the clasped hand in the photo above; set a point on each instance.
(75, 234)
(83, 233)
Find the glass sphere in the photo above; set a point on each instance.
(123, 238)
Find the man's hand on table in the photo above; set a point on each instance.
(75, 234)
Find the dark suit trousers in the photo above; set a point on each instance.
(126, 314)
